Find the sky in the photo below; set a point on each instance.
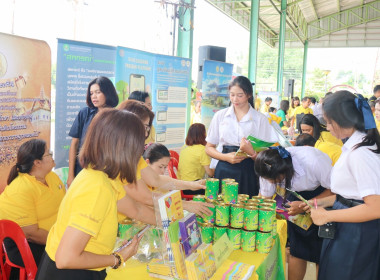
(147, 25)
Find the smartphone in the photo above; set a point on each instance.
(141, 232)
(136, 82)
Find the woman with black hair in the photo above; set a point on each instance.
(101, 93)
(228, 131)
(325, 142)
(282, 112)
(305, 170)
(354, 252)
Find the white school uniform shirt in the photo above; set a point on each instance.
(312, 168)
(356, 174)
(226, 130)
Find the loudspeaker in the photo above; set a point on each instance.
(209, 53)
(289, 88)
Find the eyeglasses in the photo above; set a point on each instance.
(147, 128)
(49, 154)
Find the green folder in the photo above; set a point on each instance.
(257, 144)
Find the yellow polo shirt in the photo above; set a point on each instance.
(331, 149)
(326, 136)
(27, 201)
(152, 136)
(377, 124)
(89, 206)
(191, 162)
(300, 110)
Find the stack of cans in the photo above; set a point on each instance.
(249, 223)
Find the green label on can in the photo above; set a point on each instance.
(248, 241)
(199, 198)
(200, 219)
(264, 242)
(210, 218)
(237, 217)
(251, 218)
(224, 183)
(235, 237)
(218, 232)
(266, 216)
(231, 192)
(212, 188)
(274, 228)
(222, 215)
(207, 233)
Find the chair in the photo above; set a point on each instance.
(12, 230)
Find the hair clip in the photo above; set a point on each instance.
(268, 165)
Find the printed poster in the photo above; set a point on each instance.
(77, 64)
(216, 77)
(25, 103)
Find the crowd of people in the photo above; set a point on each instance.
(115, 166)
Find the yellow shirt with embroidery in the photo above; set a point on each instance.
(90, 206)
(27, 201)
(191, 162)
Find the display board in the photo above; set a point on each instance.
(25, 103)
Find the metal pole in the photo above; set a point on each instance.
(305, 49)
(174, 27)
(253, 41)
(185, 30)
(281, 48)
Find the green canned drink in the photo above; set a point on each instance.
(251, 218)
(218, 232)
(224, 183)
(212, 188)
(243, 197)
(125, 229)
(234, 235)
(200, 219)
(237, 215)
(248, 240)
(264, 242)
(257, 198)
(274, 228)
(266, 205)
(266, 216)
(199, 197)
(207, 232)
(222, 214)
(210, 218)
(271, 202)
(231, 192)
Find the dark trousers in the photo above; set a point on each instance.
(48, 270)
(242, 172)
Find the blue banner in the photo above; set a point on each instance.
(216, 77)
(77, 64)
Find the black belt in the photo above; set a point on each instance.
(348, 202)
(230, 149)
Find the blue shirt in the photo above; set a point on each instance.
(79, 129)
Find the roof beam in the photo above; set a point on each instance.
(338, 5)
(344, 20)
(313, 7)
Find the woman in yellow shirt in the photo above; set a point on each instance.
(80, 244)
(32, 197)
(377, 113)
(193, 160)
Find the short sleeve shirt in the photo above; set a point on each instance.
(356, 173)
(192, 160)
(301, 110)
(282, 115)
(81, 123)
(312, 169)
(27, 201)
(90, 206)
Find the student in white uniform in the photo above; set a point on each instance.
(354, 253)
(305, 170)
(228, 131)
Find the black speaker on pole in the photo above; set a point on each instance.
(289, 88)
(209, 53)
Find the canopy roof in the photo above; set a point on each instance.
(323, 23)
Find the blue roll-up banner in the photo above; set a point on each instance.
(216, 77)
(165, 78)
(77, 64)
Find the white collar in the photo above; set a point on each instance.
(355, 138)
(247, 117)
